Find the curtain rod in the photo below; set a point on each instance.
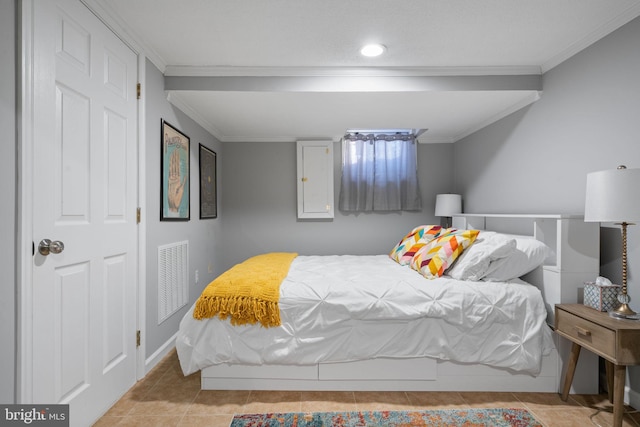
(398, 136)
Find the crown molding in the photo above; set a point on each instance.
(605, 29)
(241, 139)
(176, 100)
(111, 19)
(435, 140)
(533, 97)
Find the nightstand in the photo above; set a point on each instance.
(615, 340)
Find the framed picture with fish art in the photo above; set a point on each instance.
(208, 199)
(174, 190)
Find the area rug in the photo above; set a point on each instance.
(439, 418)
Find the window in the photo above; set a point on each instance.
(379, 172)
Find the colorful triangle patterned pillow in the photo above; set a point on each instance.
(434, 258)
(404, 251)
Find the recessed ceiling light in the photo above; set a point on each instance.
(373, 50)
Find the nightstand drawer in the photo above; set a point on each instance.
(586, 333)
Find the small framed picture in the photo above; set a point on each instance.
(208, 196)
(174, 197)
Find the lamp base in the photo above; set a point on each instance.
(622, 312)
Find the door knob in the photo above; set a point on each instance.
(46, 247)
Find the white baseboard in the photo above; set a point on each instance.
(631, 397)
(159, 354)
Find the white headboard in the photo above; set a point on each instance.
(575, 245)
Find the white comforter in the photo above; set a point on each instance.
(346, 308)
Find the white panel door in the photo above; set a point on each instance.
(84, 195)
(315, 179)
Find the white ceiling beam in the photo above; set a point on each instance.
(353, 83)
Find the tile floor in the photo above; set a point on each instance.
(166, 398)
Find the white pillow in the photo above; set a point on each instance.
(475, 260)
(529, 254)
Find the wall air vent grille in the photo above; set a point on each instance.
(173, 278)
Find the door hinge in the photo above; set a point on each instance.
(138, 338)
(138, 215)
(138, 90)
(327, 151)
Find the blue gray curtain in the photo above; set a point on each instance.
(379, 173)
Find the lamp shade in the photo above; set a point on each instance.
(613, 196)
(448, 204)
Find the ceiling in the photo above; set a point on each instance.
(284, 70)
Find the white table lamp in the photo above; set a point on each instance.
(448, 204)
(612, 196)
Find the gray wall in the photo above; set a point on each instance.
(203, 235)
(259, 184)
(537, 159)
(8, 223)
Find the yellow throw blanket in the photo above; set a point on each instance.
(248, 292)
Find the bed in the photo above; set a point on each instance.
(384, 322)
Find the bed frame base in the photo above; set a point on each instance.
(389, 375)
(488, 384)
(401, 375)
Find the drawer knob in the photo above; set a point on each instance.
(582, 331)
